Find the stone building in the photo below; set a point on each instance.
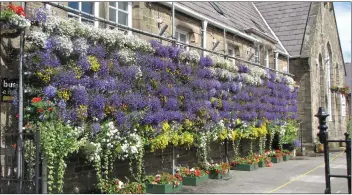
(348, 82)
(293, 37)
(309, 33)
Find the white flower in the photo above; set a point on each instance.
(192, 169)
(37, 38)
(64, 45)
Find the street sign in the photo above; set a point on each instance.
(7, 86)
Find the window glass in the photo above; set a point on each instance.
(230, 52)
(183, 38)
(123, 5)
(112, 14)
(87, 7)
(113, 4)
(73, 4)
(123, 18)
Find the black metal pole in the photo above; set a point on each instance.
(348, 156)
(226, 159)
(37, 160)
(323, 138)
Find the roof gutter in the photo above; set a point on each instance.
(210, 21)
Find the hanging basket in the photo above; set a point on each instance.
(11, 33)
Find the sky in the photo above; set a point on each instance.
(343, 18)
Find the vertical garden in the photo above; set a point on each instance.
(115, 96)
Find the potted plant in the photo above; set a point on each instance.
(264, 161)
(219, 171)
(116, 186)
(193, 176)
(13, 21)
(334, 89)
(276, 156)
(249, 163)
(163, 183)
(344, 90)
(319, 147)
(286, 155)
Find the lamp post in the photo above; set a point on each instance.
(323, 137)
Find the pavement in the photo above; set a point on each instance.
(299, 175)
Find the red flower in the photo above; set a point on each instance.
(12, 7)
(17, 115)
(50, 109)
(20, 11)
(36, 100)
(14, 145)
(207, 172)
(40, 110)
(216, 171)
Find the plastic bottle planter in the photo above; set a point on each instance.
(246, 167)
(286, 157)
(162, 188)
(261, 164)
(219, 175)
(194, 181)
(276, 159)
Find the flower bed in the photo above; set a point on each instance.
(163, 184)
(286, 155)
(249, 163)
(193, 176)
(219, 171)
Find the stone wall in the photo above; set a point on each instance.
(321, 31)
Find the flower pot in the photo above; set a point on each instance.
(194, 181)
(261, 164)
(275, 159)
(219, 175)
(162, 188)
(286, 157)
(320, 148)
(246, 167)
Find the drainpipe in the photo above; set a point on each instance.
(204, 33)
(173, 22)
(173, 44)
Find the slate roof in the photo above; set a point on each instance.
(238, 15)
(288, 21)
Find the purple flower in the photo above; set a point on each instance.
(83, 63)
(205, 62)
(243, 69)
(95, 128)
(171, 104)
(96, 106)
(62, 104)
(98, 51)
(49, 91)
(80, 96)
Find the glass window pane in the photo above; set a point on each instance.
(113, 4)
(87, 7)
(123, 5)
(73, 4)
(84, 20)
(230, 51)
(183, 38)
(123, 18)
(112, 15)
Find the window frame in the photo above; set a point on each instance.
(233, 48)
(343, 105)
(95, 12)
(177, 34)
(266, 57)
(328, 84)
(117, 10)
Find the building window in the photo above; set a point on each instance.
(86, 7)
(118, 12)
(328, 83)
(182, 36)
(257, 54)
(343, 105)
(266, 58)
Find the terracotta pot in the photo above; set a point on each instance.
(320, 148)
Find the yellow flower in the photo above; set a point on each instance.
(64, 94)
(82, 112)
(94, 64)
